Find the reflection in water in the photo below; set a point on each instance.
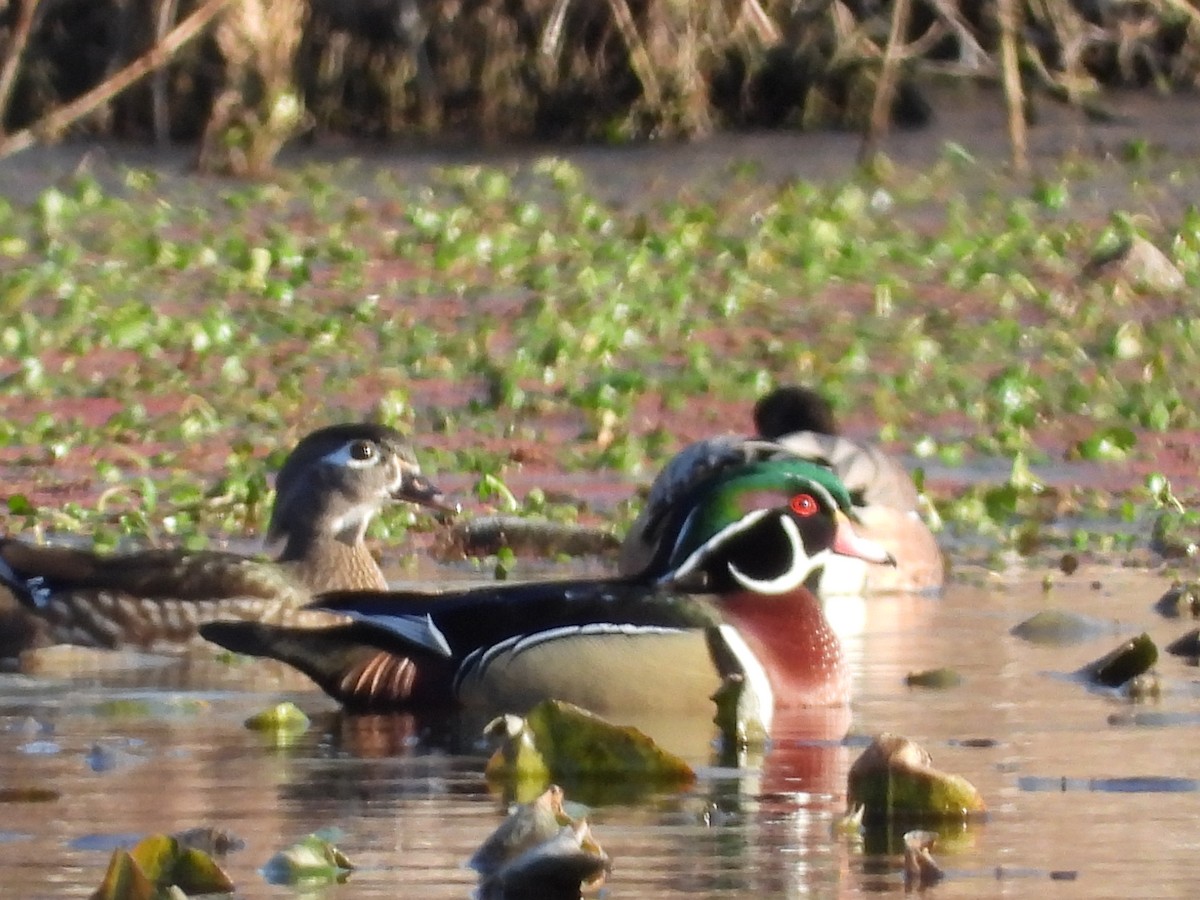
(91, 759)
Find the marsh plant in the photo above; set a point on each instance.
(258, 108)
(610, 70)
(549, 348)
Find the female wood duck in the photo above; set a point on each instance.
(327, 491)
(724, 597)
(801, 422)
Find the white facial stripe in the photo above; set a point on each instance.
(801, 566)
(344, 458)
(701, 552)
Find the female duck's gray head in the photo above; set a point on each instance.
(764, 528)
(338, 477)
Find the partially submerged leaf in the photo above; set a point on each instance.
(555, 869)
(894, 779)
(572, 742)
(124, 880)
(527, 826)
(1187, 645)
(313, 859)
(284, 721)
(1181, 601)
(740, 715)
(157, 865)
(1176, 533)
(1127, 661)
(518, 755)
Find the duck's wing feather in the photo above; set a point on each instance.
(142, 598)
(480, 617)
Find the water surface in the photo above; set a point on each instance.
(1090, 795)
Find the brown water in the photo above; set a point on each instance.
(1079, 782)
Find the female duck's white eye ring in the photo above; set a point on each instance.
(805, 505)
(362, 450)
(357, 454)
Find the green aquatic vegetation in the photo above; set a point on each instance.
(263, 308)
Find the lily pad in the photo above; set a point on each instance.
(560, 741)
(1127, 661)
(159, 866)
(894, 779)
(311, 860)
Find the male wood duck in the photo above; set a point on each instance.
(802, 422)
(724, 597)
(329, 488)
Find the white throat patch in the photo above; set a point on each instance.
(801, 566)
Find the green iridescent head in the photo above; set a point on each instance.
(765, 527)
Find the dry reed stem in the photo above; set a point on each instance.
(1013, 93)
(164, 16)
(639, 58)
(766, 29)
(885, 86)
(52, 124)
(16, 49)
(259, 108)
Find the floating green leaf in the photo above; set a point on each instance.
(311, 860)
(159, 866)
(560, 741)
(894, 779)
(283, 720)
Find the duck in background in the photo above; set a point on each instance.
(329, 488)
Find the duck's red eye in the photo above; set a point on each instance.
(804, 505)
